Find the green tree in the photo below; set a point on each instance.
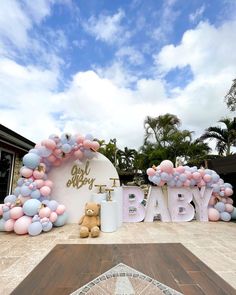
(230, 97)
(225, 137)
(160, 129)
(126, 158)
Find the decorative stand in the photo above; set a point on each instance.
(118, 196)
(100, 196)
(109, 214)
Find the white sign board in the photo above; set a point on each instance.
(74, 183)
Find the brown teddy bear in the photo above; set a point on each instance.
(90, 222)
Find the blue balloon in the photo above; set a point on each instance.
(165, 176)
(228, 185)
(35, 228)
(53, 205)
(183, 177)
(44, 152)
(220, 206)
(88, 154)
(25, 190)
(171, 183)
(47, 226)
(61, 219)
(215, 177)
(89, 137)
(66, 148)
(20, 181)
(225, 216)
(31, 160)
(2, 225)
(34, 151)
(17, 191)
(233, 214)
(31, 207)
(36, 218)
(35, 194)
(6, 215)
(10, 199)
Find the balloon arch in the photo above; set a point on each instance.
(32, 210)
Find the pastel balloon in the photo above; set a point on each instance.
(180, 169)
(213, 214)
(39, 183)
(78, 154)
(212, 201)
(57, 163)
(167, 166)
(26, 172)
(61, 219)
(2, 224)
(49, 143)
(53, 217)
(60, 209)
(47, 226)
(196, 175)
(207, 178)
(31, 160)
(23, 199)
(44, 212)
(230, 201)
(1, 211)
(16, 212)
(38, 174)
(35, 194)
(10, 199)
(21, 225)
(87, 143)
(66, 148)
(80, 139)
(220, 206)
(9, 225)
(31, 207)
(151, 172)
(228, 191)
(53, 205)
(225, 216)
(48, 183)
(45, 191)
(95, 145)
(229, 208)
(35, 228)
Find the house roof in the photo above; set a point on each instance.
(8, 136)
(223, 165)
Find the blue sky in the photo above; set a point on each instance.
(101, 66)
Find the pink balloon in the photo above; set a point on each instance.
(45, 191)
(39, 183)
(57, 152)
(229, 208)
(162, 182)
(196, 175)
(188, 174)
(167, 166)
(9, 225)
(78, 154)
(187, 183)
(212, 201)
(87, 143)
(228, 191)
(26, 172)
(53, 217)
(60, 209)
(213, 214)
(202, 172)
(44, 212)
(16, 212)
(95, 145)
(48, 183)
(230, 201)
(151, 172)
(180, 169)
(38, 174)
(80, 139)
(49, 143)
(21, 225)
(57, 163)
(224, 200)
(52, 158)
(207, 178)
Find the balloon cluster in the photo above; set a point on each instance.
(220, 205)
(31, 209)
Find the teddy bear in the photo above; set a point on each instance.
(90, 222)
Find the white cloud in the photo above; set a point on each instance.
(107, 28)
(38, 9)
(134, 56)
(195, 16)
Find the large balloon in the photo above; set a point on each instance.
(35, 228)
(61, 219)
(31, 207)
(213, 214)
(21, 225)
(167, 166)
(16, 212)
(10, 199)
(31, 160)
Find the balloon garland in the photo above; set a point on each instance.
(220, 206)
(31, 209)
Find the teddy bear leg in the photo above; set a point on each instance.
(95, 232)
(84, 232)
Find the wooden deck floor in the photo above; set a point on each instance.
(68, 267)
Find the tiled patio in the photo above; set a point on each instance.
(213, 243)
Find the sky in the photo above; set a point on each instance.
(100, 67)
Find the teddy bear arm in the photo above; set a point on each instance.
(81, 220)
(98, 221)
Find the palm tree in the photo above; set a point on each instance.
(160, 128)
(225, 137)
(126, 158)
(230, 97)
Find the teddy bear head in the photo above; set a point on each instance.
(92, 209)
